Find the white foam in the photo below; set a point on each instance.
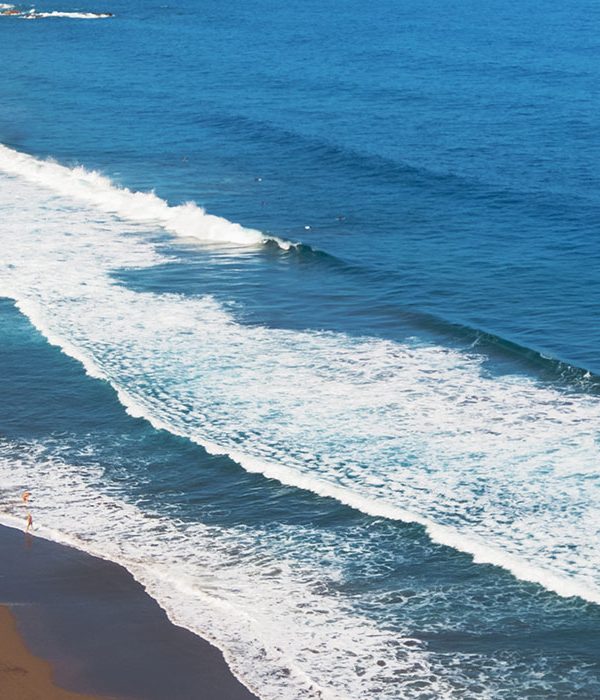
(497, 467)
(33, 14)
(224, 584)
(186, 220)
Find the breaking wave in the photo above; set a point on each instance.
(33, 14)
(186, 220)
(500, 467)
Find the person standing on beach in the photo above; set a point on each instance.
(25, 496)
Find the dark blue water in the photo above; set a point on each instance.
(451, 147)
(427, 353)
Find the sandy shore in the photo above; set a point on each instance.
(87, 626)
(22, 675)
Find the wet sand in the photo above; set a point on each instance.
(22, 675)
(98, 630)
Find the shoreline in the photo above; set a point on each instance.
(97, 632)
(24, 676)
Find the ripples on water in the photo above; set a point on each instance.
(427, 355)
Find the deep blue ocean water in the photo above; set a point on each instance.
(362, 432)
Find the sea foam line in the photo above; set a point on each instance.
(152, 581)
(32, 14)
(223, 619)
(480, 551)
(186, 220)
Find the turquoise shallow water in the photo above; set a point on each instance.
(375, 449)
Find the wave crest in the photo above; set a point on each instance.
(186, 220)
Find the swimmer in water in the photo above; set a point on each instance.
(26, 496)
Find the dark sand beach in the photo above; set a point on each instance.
(75, 626)
(22, 675)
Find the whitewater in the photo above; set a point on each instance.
(186, 220)
(496, 465)
(414, 432)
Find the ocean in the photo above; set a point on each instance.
(299, 321)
